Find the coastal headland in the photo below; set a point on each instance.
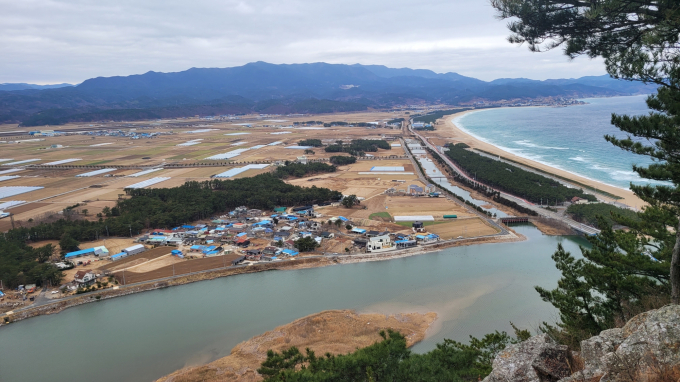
(333, 331)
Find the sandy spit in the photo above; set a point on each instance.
(332, 331)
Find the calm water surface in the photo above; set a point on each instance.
(475, 290)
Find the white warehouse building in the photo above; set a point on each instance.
(135, 249)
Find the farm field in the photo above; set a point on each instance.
(180, 267)
(402, 206)
(80, 175)
(62, 184)
(134, 260)
(260, 140)
(470, 227)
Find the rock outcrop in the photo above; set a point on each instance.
(537, 359)
(646, 349)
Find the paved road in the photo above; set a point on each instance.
(522, 202)
(422, 178)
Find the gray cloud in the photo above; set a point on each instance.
(50, 41)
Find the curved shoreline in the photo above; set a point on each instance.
(302, 263)
(461, 135)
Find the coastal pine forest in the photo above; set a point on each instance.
(512, 179)
(391, 360)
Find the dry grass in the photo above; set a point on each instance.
(134, 259)
(464, 227)
(335, 332)
(164, 149)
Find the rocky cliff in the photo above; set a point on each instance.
(646, 349)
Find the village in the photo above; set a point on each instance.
(242, 237)
(91, 168)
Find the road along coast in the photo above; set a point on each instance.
(454, 133)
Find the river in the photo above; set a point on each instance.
(475, 290)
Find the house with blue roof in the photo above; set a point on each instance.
(119, 256)
(429, 238)
(405, 243)
(281, 236)
(96, 251)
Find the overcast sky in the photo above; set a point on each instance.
(54, 41)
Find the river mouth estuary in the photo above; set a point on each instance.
(474, 290)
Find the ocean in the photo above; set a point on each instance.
(569, 138)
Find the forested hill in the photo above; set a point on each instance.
(278, 89)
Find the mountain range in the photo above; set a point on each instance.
(22, 86)
(275, 89)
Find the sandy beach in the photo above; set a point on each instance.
(450, 130)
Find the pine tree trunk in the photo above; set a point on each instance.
(675, 268)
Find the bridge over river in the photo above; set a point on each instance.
(576, 226)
